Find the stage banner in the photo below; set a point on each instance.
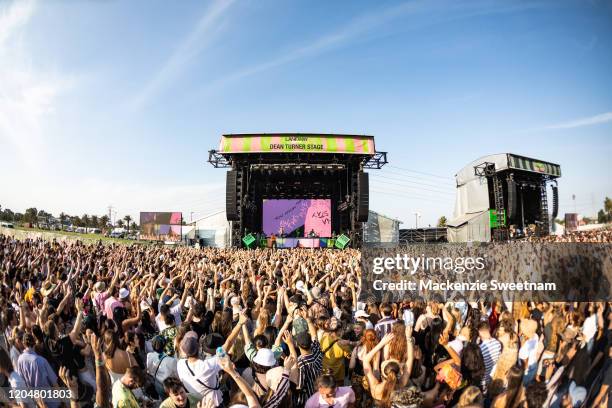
(346, 144)
(341, 241)
(248, 240)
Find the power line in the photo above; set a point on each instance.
(401, 183)
(408, 195)
(404, 175)
(447, 191)
(420, 172)
(414, 187)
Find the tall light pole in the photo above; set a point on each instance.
(574, 199)
(417, 215)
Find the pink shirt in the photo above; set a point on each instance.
(99, 299)
(110, 304)
(344, 396)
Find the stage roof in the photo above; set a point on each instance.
(297, 143)
(506, 161)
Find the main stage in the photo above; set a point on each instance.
(297, 186)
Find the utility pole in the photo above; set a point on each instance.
(110, 213)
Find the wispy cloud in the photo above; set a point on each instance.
(588, 121)
(370, 24)
(189, 48)
(352, 30)
(28, 92)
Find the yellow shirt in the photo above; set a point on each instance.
(333, 357)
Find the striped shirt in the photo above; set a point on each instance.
(491, 349)
(281, 390)
(309, 368)
(384, 326)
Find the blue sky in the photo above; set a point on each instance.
(117, 103)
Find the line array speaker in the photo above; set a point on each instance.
(512, 200)
(363, 201)
(231, 204)
(555, 198)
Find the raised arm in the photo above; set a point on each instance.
(235, 331)
(279, 337)
(367, 360)
(76, 330)
(409, 358)
(227, 366)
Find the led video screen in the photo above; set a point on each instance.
(161, 226)
(297, 218)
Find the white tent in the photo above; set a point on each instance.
(213, 230)
(471, 216)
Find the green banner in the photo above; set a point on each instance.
(341, 241)
(248, 240)
(497, 220)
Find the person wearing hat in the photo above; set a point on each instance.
(262, 363)
(362, 316)
(572, 398)
(529, 349)
(47, 288)
(102, 293)
(200, 376)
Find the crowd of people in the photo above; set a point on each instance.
(597, 235)
(144, 326)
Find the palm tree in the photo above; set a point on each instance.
(85, 220)
(103, 221)
(127, 219)
(120, 223)
(94, 221)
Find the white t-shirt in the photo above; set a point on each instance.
(408, 318)
(457, 344)
(201, 377)
(176, 312)
(166, 369)
(589, 327)
(344, 397)
(14, 354)
(529, 351)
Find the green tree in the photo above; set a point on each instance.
(94, 221)
(442, 222)
(608, 207)
(120, 223)
(75, 221)
(31, 216)
(18, 217)
(103, 221)
(127, 219)
(602, 217)
(7, 215)
(85, 220)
